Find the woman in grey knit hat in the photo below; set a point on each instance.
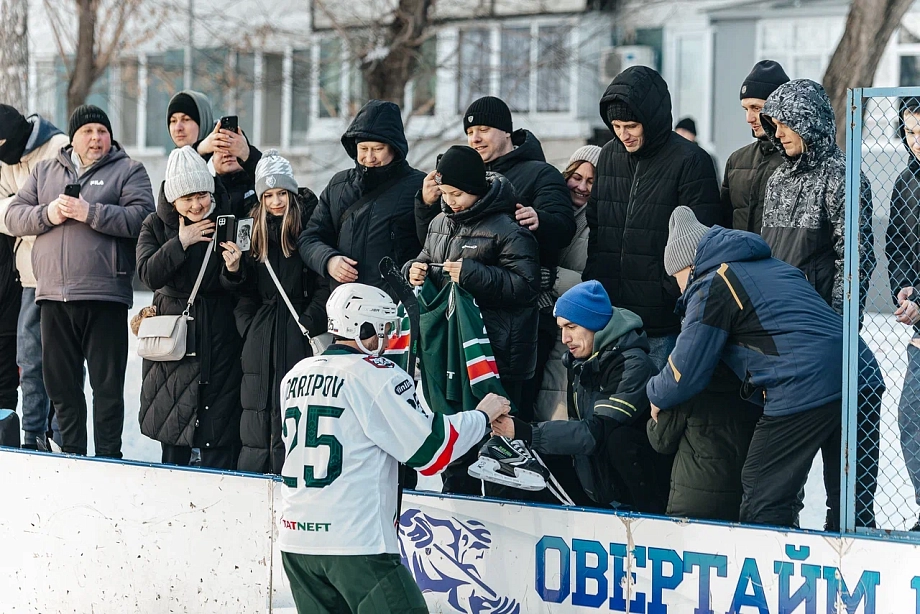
(272, 341)
(579, 178)
(193, 402)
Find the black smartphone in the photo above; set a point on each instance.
(226, 231)
(230, 122)
(72, 190)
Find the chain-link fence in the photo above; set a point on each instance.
(881, 470)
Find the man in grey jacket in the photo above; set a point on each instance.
(83, 260)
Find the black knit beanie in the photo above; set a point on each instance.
(88, 114)
(765, 77)
(617, 110)
(462, 167)
(687, 124)
(183, 103)
(488, 111)
(15, 130)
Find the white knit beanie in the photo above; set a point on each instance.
(588, 153)
(684, 234)
(273, 171)
(186, 173)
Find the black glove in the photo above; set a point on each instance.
(547, 278)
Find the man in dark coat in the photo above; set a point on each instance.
(609, 368)
(748, 169)
(345, 243)
(642, 175)
(903, 250)
(786, 345)
(543, 206)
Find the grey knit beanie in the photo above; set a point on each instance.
(186, 173)
(588, 153)
(273, 171)
(684, 234)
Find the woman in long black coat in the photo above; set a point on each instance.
(272, 341)
(193, 402)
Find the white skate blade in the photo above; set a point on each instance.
(487, 469)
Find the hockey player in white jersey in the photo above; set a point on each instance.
(350, 416)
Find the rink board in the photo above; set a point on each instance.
(99, 537)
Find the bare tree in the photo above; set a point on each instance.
(102, 28)
(389, 59)
(14, 53)
(869, 26)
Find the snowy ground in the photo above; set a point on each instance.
(894, 500)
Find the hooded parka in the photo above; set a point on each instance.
(383, 227)
(195, 401)
(500, 269)
(272, 341)
(633, 197)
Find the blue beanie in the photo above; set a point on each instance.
(586, 304)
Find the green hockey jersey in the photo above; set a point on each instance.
(455, 356)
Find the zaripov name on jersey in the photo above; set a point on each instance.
(314, 385)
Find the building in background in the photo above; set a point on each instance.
(287, 68)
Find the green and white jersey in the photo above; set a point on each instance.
(349, 419)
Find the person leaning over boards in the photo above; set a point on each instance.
(193, 402)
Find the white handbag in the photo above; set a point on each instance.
(165, 338)
(319, 343)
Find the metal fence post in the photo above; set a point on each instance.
(851, 312)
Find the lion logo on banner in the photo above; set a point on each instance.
(443, 556)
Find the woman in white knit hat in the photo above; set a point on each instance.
(579, 177)
(193, 402)
(272, 341)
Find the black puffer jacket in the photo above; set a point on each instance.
(500, 270)
(241, 188)
(710, 434)
(633, 197)
(194, 401)
(536, 184)
(10, 289)
(272, 342)
(745, 184)
(386, 226)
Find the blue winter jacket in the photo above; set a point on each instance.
(761, 317)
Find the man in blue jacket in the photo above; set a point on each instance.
(763, 319)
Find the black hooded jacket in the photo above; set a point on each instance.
(903, 237)
(272, 342)
(633, 197)
(194, 401)
(383, 227)
(500, 269)
(745, 184)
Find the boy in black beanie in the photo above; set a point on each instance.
(485, 251)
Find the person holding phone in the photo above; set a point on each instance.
(272, 341)
(193, 402)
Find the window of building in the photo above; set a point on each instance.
(475, 66)
(211, 76)
(301, 78)
(554, 67)
(514, 86)
(272, 87)
(165, 73)
(425, 83)
(330, 77)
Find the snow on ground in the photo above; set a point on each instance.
(895, 505)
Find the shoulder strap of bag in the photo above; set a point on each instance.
(287, 301)
(204, 266)
(358, 204)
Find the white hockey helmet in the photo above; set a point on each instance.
(351, 305)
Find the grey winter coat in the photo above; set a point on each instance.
(804, 208)
(91, 261)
